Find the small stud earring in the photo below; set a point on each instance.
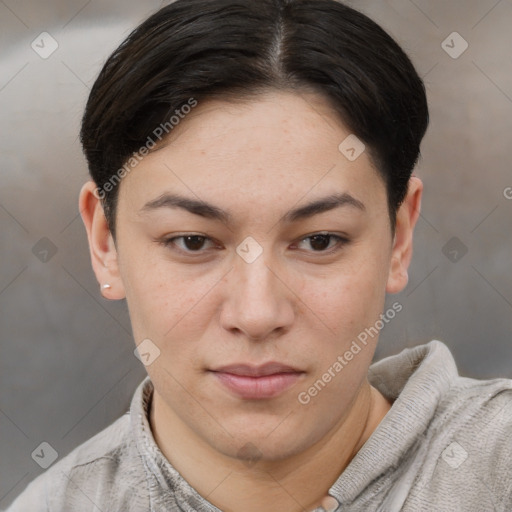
(105, 286)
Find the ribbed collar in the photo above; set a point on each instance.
(415, 381)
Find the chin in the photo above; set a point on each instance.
(269, 444)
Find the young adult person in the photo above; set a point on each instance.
(252, 199)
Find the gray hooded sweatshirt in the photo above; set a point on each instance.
(445, 445)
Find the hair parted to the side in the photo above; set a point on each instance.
(237, 49)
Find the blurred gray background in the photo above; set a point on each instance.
(67, 364)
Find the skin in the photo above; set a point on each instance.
(295, 304)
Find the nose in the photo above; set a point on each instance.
(259, 301)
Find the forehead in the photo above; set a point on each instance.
(277, 146)
(281, 120)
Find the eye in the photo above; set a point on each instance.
(321, 242)
(195, 244)
(190, 243)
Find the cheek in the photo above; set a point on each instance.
(350, 306)
(169, 304)
(351, 298)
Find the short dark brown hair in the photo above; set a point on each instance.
(232, 49)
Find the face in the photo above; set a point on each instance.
(258, 278)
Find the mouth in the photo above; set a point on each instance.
(257, 382)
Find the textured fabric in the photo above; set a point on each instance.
(445, 445)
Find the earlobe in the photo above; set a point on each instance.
(401, 254)
(103, 252)
(398, 276)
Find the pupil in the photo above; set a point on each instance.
(316, 246)
(197, 242)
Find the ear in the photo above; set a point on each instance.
(104, 257)
(401, 254)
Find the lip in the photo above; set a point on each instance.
(248, 370)
(257, 382)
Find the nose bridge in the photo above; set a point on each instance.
(258, 302)
(252, 271)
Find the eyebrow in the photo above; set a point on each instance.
(210, 211)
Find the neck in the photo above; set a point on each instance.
(296, 484)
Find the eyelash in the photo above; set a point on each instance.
(341, 241)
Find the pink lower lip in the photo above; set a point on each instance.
(266, 386)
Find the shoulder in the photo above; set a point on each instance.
(473, 427)
(462, 428)
(84, 475)
(485, 405)
(481, 411)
